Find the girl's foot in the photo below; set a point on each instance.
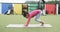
(42, 23)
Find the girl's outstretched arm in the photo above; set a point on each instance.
(28, 21)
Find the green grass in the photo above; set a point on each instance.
(54, 20)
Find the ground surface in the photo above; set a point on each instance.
(54, 20)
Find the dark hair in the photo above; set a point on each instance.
(38, 8)
(43, 1)
(24, 14)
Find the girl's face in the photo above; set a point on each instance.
(27, 15)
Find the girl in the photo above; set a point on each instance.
(30, 15)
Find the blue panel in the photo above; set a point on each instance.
(6, 7)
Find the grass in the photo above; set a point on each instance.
(54, 20)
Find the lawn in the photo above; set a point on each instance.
(54, 20)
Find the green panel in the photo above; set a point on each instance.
(33, 4)
(33, 8)
(42, 6)
(30, 10)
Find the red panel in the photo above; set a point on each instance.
(51, 8)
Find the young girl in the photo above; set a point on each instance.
(30, 15)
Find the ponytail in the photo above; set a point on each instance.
(24, 14)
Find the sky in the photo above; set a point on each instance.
(20, 1)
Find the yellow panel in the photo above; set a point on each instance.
(17, 8)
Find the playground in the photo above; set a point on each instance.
(11, 14)
(54, 20)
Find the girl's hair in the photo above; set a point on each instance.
(24, 14)
(38, 8)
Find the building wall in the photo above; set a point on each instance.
(17, 8)
(51, 8)
(6, 7)
(0, 9)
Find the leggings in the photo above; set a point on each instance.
(38, 16)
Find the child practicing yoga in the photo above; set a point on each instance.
(30, 15)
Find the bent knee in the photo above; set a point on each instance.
(37, 20)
